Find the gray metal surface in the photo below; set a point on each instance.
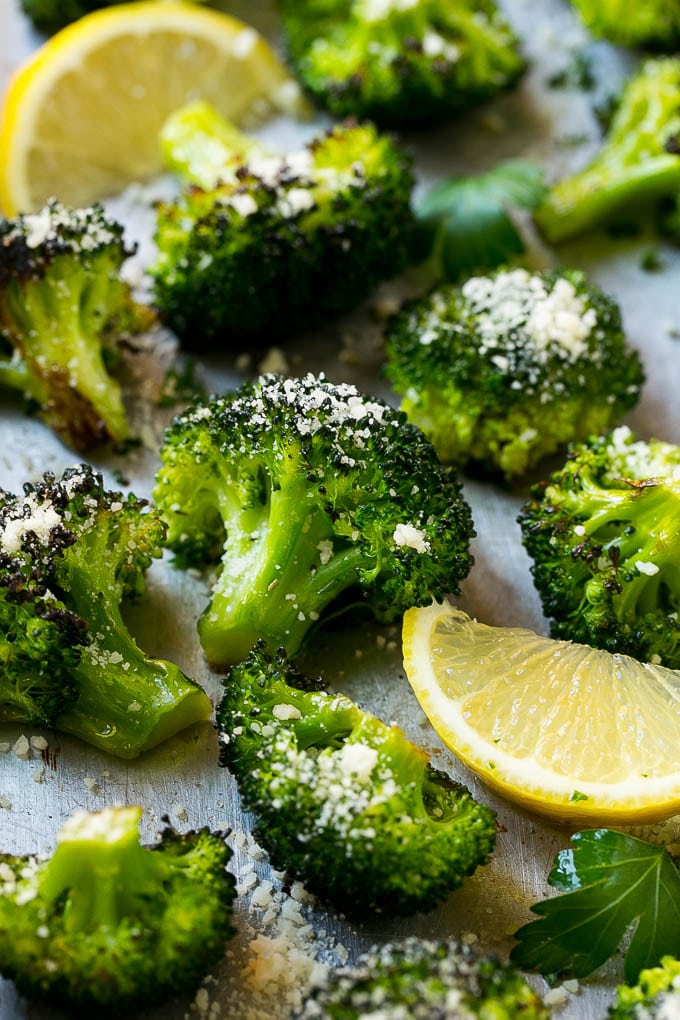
(181, 777)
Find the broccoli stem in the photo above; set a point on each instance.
(199, 145)
(606, 187)
(638, 161)
(14, 372)
(127, 702)
(102, 870)
(64, 323)
(652, 512)
(279, 586)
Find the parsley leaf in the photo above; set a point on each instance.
(613, 883)
(465, 221)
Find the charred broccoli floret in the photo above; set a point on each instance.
(639, 160)
(656, 995)
(426, 980)
(63, 309)
(281, 242)
(70, 552)
(305, 491)
(343, 802)
(654, 24)
(400, 63)
(508, 367)
(604, 539)
(108, 924)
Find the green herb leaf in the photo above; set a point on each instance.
(613, 884)
(467, 221)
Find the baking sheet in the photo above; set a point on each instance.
(181, 778)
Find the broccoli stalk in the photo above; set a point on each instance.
(127, 701)
(638, 162)
(603, 535)
(400, 64)
(425, 979)
(70, 553)
(343, 802)
(109, 924)
(261, 246)
(269, 577)
(203, 148)
(304, 491)
(102, 867)
(63, 308)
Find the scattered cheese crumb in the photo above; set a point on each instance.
(408, 535)
(21, 748)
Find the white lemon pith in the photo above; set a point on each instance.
(80, 119)
(563, 729)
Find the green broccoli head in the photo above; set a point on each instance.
(424, 979)
(106, 923)
(638, 162)
(400, 63)
(656, 995)
(70, 553)
(509, 367)
(306, 491)
(283, 242)
(343, 802)
(654, 24)
(604, 540)
(63, 308)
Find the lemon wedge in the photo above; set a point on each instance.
(562, 729)
(81, 119)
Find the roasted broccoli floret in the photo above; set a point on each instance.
(70, 552)
(282, 242)
(305, 491)
(604, 539)
(63, 309)
(655, 997)
(508, 367)
(425, 980)
(400, 63)
(344, 803)
(639, 160)
(654, 24)
(108, 924)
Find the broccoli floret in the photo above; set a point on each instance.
(507, 367)
(63, 308)
(654, 24)
(400, 64)
(426, 980)
(106, 923)
(282, 242)
(604, 540)
(343, 802)
(639, 160)
(656, 995)
(50, 15)
(307, 491)
(70, 552)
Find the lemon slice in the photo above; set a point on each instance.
(81, 119)
(560, 728)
